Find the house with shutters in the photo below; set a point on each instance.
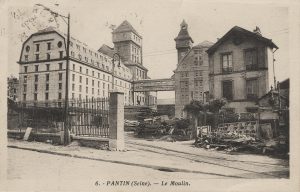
(241, 68)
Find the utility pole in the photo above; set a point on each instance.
(274, 69)
(113, 68)
(66, 122)
(66, 126)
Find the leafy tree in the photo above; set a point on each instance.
(195, 108)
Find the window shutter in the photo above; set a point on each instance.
(261, 57)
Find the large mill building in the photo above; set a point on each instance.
(43, 67)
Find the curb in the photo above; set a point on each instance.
(159, 168)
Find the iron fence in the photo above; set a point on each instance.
(86, 117)
(89, 117)
(41, 116)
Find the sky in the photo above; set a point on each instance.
(157, 21)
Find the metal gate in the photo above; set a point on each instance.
(89, 117)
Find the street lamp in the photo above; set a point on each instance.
(116, 57)
(66, 126)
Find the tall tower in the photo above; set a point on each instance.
(128, 43)
(184, 42)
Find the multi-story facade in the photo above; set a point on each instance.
(192, 73)
(43, 70)
(240, 67)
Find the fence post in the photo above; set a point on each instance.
(116, 121)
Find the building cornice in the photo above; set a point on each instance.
(234, 72)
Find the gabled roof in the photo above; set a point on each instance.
(238, 30)
(107, 50)
(205, 44)
(125, 26)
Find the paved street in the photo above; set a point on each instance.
(28, 170)
(155, 161)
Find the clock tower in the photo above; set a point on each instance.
(184, 42)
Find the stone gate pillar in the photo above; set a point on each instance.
(116, 121)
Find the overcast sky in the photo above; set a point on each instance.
(159, 23)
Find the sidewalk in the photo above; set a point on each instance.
(162, 156)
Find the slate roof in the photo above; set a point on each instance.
(184, 34)
(238, 30)
(107, 50)
(125, 26)
(206, 44)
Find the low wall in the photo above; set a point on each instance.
(55, 138)
(92, 142)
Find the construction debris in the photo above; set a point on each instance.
(245, 144)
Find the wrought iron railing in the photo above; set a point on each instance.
(86, 117)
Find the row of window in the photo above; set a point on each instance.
(251, 89)
(125, 75)
(48, 56)
(89, 51)
(73, 75)
(59, 95)
(140, 73)
(121, 83)
(36, 77)
(136, 38)
(250, 60)
(36, 67)
(36, 87)
(186, 74)
(94, 62)
(48, 45)
(80, 88)
(135, 56)
(35, 96)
